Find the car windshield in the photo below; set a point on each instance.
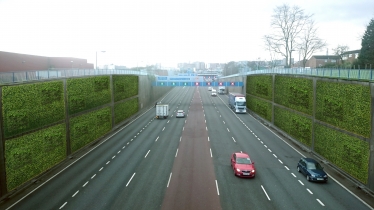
(243, 161)
(240, 103)
(313, 166)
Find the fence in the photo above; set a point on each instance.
(25, 76)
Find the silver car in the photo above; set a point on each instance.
(180, 113)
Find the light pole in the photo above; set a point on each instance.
(96, 58)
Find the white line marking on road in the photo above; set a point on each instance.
(224, 122)
(101, 168)
(265, 146)
(219, 115)
(262, 142)
(228, 130)
(217, 187)
(176, 153)
(183, 128)
(205, 121)
(130, 180)
(147, 153)
(63, 205)
(301, 182)
(157, 138)
(208, 138)
(280, 161)
(233, 139)
(309, 191)
(133, 139)
(169, 180)
(269, 150)
(265, 192)
(128, 143)
(119, 152)
(274, 155)
(135, 136)
(180, 139)
(287, 168)
(113, 157)
(241, 152)
(293, 175)
(168, 121)
(210, 152)
(123, 147)
(206, 128)
(93, 176)
(254, 134)
(107, 162)
(85, 184)
(163, 129)
(320, 202)
(75, 194)
(259, 139)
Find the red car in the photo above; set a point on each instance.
(242, 165)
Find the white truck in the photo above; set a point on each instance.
(237, 102)
(221, 90)
(162, 111)
(214, 92)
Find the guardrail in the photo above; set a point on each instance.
(25, 76)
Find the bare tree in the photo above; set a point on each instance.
(340, 50)
(287, 23)
(309, 42)
(272, 53)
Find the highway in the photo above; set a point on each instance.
(184, 163)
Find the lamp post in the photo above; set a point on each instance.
(96, 58)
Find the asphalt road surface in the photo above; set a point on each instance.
(184, 163)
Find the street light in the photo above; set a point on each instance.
(96, 57)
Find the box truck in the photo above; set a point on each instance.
(237, 102)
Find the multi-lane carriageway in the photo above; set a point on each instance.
(184, 163)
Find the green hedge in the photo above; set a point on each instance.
(297, 126)
(30, 155)
(89, 127)
(87, 93)
(349, 153)
(125, 109)
(32, 106)
(125, 86)
(260, 86)
(295, 93)
(260, 107)
(346, 106)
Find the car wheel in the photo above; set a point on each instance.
(308, 178)
(298, 169)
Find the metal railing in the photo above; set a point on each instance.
(26, 76)
(354, 74)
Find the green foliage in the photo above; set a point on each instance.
(32, 106)
(125, 109)
(32, 154)
(366, 56)
(89, 127)
(295, 93)
(349, 153)
(298, 126)
(87, 93)
(346, 106)
(260, 86)
(125, 86)
(259, 106)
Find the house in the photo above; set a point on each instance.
(351, 56)
(320, 60)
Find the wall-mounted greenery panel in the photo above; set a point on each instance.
(88, 127)
(295, 93)
(344, 105)
(87, 93)
(125, 86)
(31, 106)
(125, 109)
(347, 152)
(30, 155)
(260, 107)
(296, 125)
(260, 86)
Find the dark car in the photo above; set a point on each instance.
(242, 165)
(312, 170)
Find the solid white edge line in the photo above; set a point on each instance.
(217, 187)
(265, 192)
(169, 179)
(130, 180)
(147, 153)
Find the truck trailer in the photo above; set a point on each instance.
(237, 102)
(221, 90)
(162, 111)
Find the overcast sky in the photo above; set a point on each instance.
(141, 32)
